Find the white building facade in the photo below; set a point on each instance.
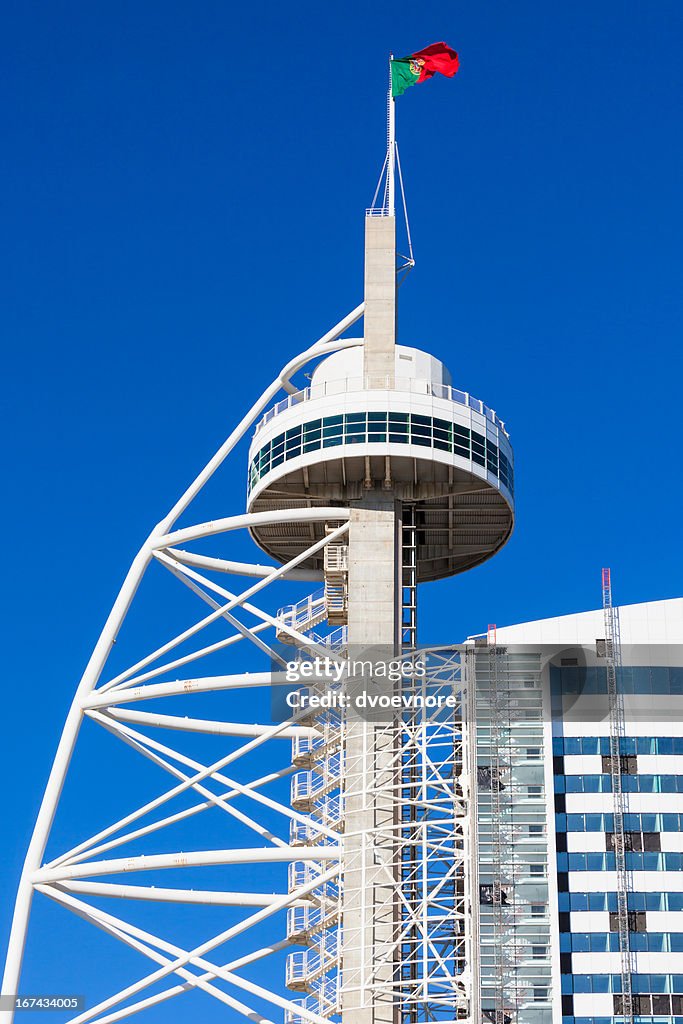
(586, 968)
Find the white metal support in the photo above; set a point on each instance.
(91, 693)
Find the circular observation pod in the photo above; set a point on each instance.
(419, 440)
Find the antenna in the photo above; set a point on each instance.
(386, 185)
(391, 147)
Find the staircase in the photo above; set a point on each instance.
(331, 603)
(303, 616)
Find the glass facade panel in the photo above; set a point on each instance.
(376, 428)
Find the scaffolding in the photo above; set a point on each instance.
(433, 910)
(511, 921)
(617, 730)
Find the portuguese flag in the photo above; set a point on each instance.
(420, 66)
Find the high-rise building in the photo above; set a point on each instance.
(601, 968)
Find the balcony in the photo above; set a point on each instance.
(410, 385)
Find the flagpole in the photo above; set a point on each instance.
(391, 147)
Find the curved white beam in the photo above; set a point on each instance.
(249, 519)
(320, 348)
(160, 537)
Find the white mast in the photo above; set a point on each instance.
(391, 147)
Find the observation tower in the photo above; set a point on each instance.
(346, 842)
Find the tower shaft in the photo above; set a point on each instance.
(371, 876)
(380, 301)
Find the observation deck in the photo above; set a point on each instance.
(418, 437)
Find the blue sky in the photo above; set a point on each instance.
(182, 210)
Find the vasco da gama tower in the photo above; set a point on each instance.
(283, 859)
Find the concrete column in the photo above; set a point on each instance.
(380, 301)
(370, 883)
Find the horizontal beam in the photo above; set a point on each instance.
(245, 680)
(212, 728)
(197, 859)
(240, 568)
(154, 893)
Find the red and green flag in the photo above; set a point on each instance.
(418, 67)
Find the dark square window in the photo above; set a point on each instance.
(633, 841)
(637, 921)
(651, 841)
(629, 764)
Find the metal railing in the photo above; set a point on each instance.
(328, 811)
(308, 965)
(301, 873)
(337, 640)
(305, 922)
(307, 749)
(324, 1001)
(309, 609)
(305, 786)
(411, 385)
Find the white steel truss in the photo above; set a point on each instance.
(297, 838)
